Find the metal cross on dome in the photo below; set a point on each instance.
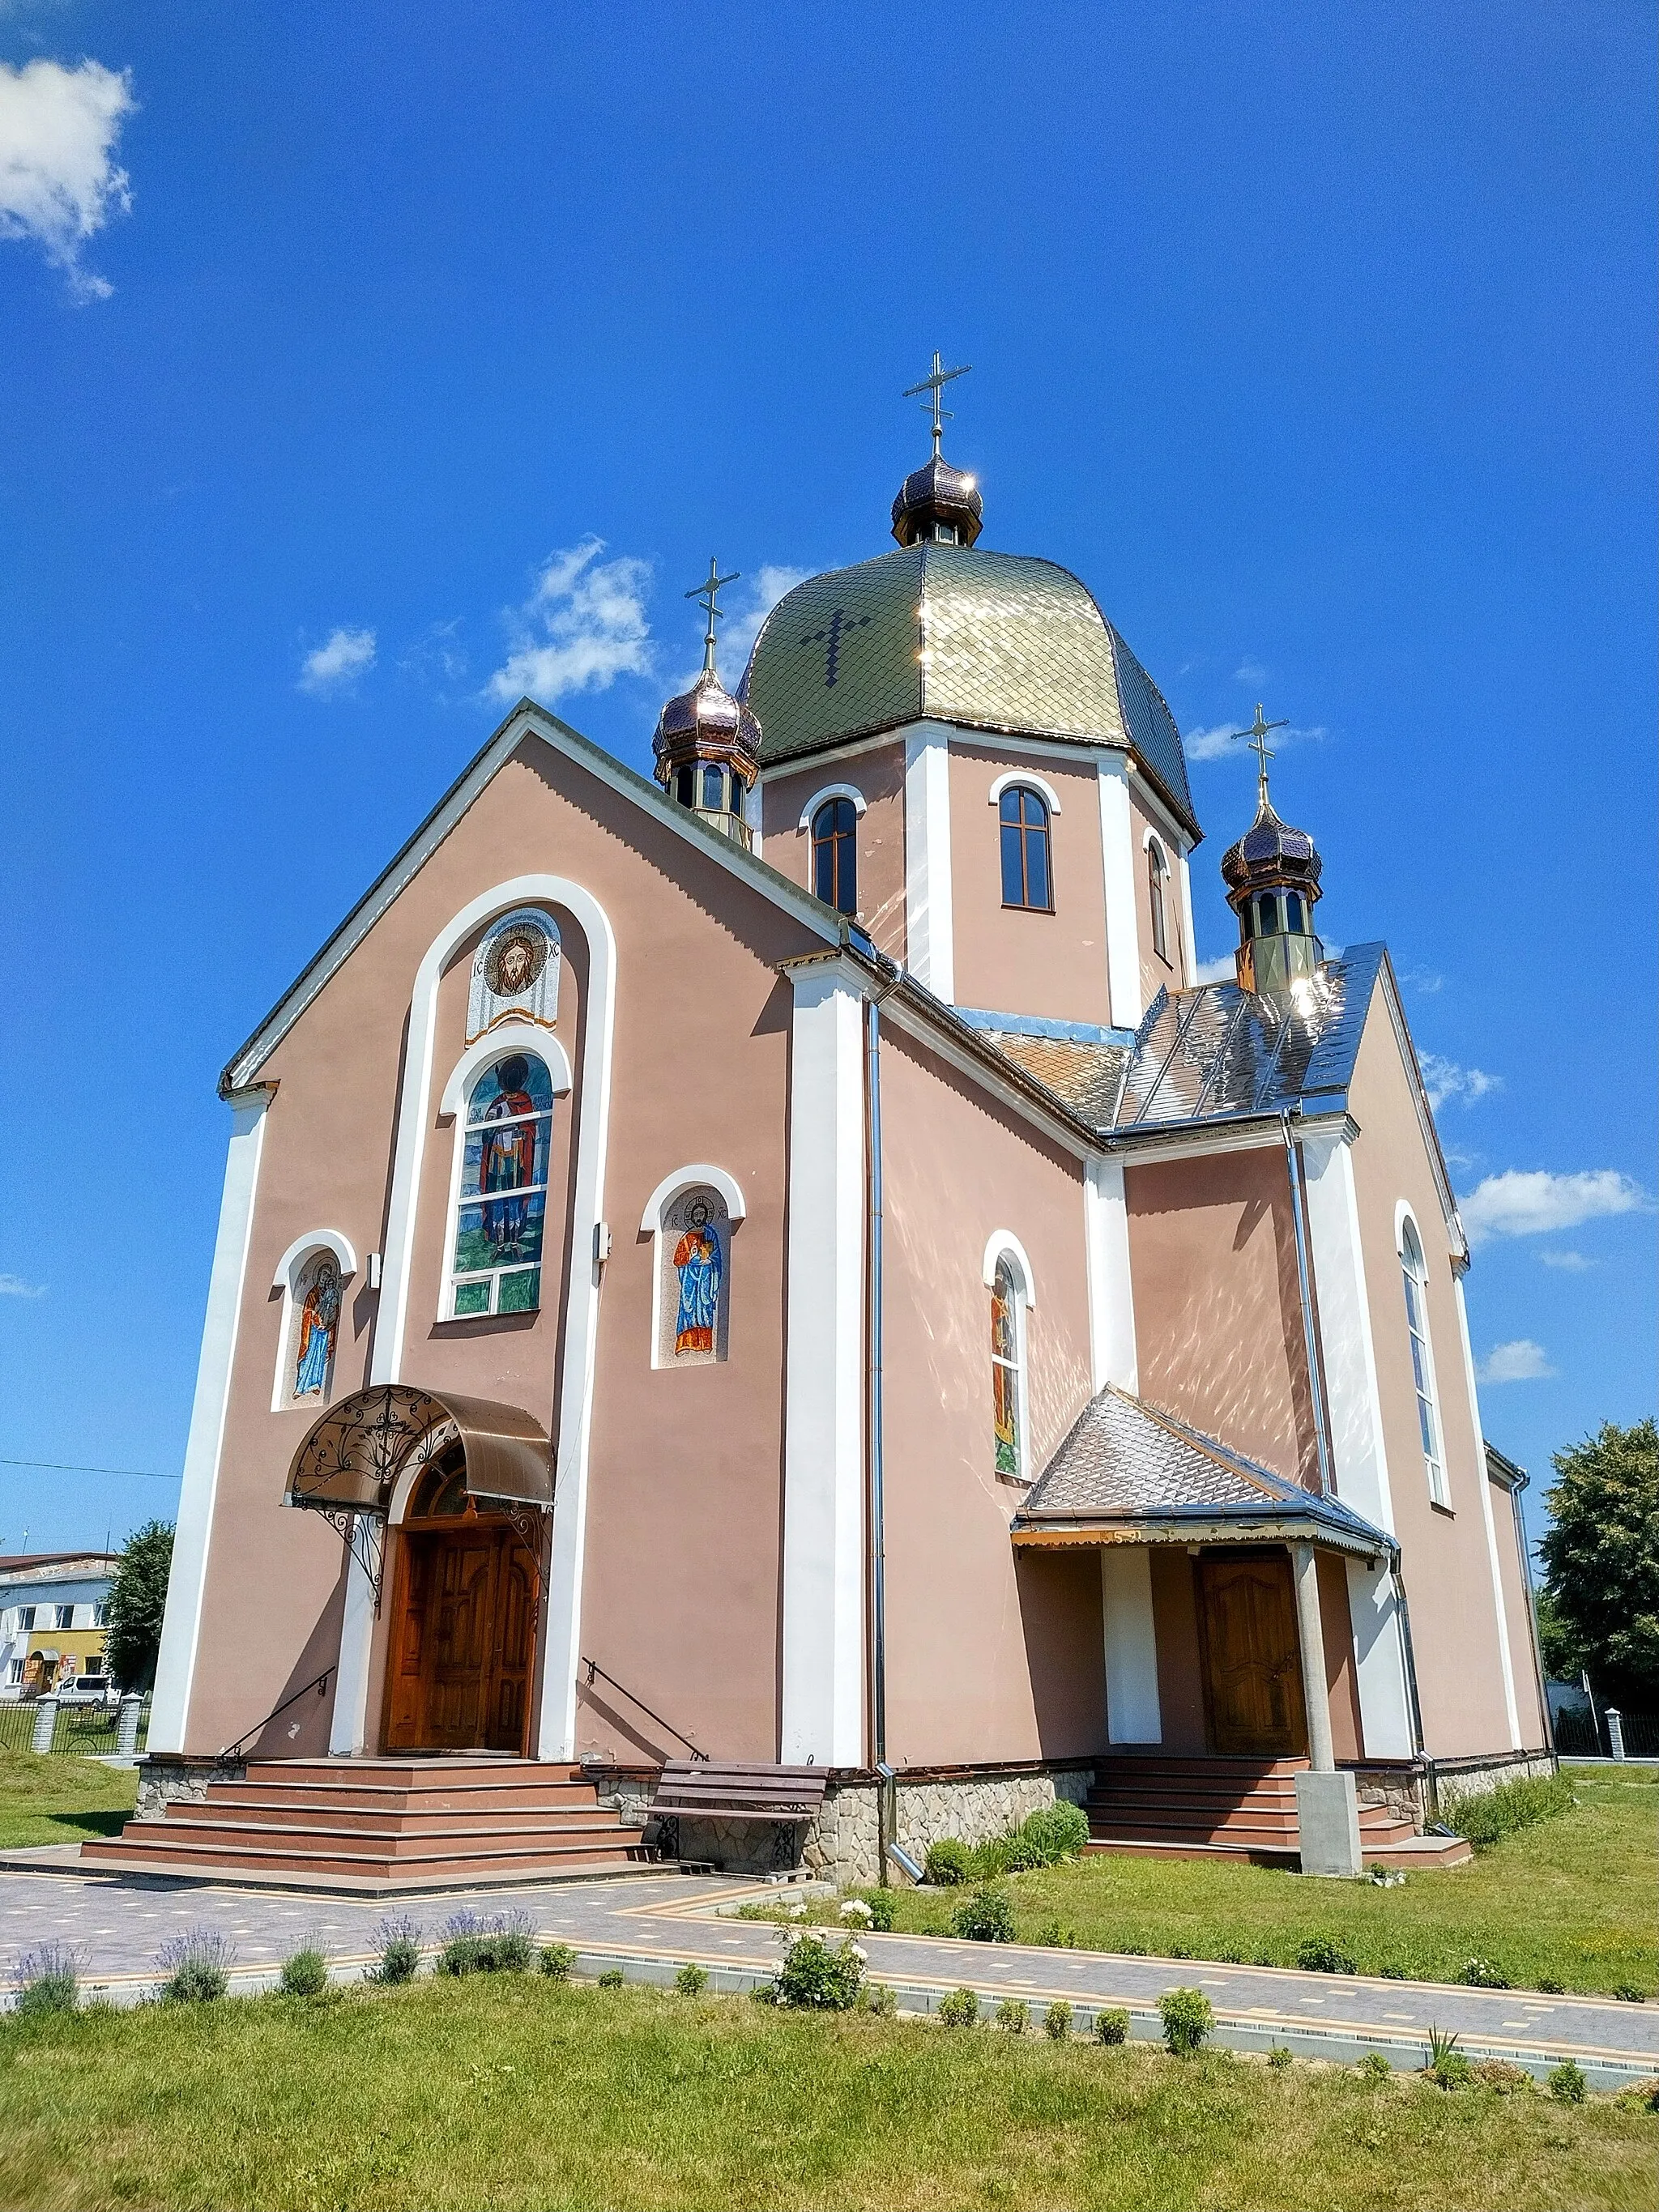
(935, 384)
(708, 595)
(1256, 739)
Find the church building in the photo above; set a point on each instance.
(784, 1263)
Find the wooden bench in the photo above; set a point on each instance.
(783, 1797)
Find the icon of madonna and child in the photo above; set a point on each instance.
(319, 1320)
(699, 1266)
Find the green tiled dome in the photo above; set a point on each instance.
(994, 642)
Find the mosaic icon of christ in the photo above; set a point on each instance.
(697, 1260)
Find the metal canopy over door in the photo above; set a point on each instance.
(1252, 1656)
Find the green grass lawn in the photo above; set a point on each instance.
(505, 2091)
(1570, 1899)
(61, 1801)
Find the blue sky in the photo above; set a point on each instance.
(363, 367)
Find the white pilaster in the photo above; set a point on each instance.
(1111, 1292)
(1511, 1708)
(1379, 1653)
(1134, 1714)
(929, 929)
(1189, 945)
(823, 1414)
(1117, 860)
(1310, 1634)
(181, 1625)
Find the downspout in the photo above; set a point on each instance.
(1305, 1284)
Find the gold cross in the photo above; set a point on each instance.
(1256, 738)
(935, 384)
(708, 595)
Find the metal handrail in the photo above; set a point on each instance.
(593, 1668)
(233, 1750)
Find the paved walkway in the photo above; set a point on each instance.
(649, 1924)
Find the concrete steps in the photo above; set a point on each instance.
(1179, 1808)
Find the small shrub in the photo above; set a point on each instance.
(1499, 2074)
(856, 1912)
(1057, 2022)
(1375, 2067)
(959, 2009)
(1179, 1951)
(1392, 1972)
(1631, 1992)
(949, 1863)
(474, 1945)
(611, 1979)
(196, 1966)
(1057, 1935)
(1278, 2059)
(48, 1979)
(1548, 1988)
(989, 1861)
(1015, 2015)
(987, 1917)
(692, 1979)
(1058, 1830)
(399, 1939)
(1112, 2026)
(1229, 1955)
(880, 2001)
(882, 1908)
(1014, 1853)
(558, 1961)
(1188, 2017)
(1567, 2083)
(305, 1974)
(1323, 1954)
(1482, 1818)
(1446, 2065)
(1482, 1974)
(819, 1975)
(1640, 2096)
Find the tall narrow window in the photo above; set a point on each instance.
(1158, 870)
(503, 1202)
(834, 866)
(1416, 1277)
(1026, 879)
(1293, 920)
(1007, 1371)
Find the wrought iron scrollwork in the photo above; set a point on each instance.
(363, 1535)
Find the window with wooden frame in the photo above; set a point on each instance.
(1027, 876)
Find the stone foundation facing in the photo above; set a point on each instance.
(176, 1778)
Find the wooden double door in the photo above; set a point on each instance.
(1252, 1655)
(463, 1639)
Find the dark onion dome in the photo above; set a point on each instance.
(937, 496)
(1271, 855)
(707, 724)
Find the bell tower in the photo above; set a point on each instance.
(708, 743)
(1272, 876)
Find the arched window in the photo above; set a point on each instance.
(685, 786)
(1415, 1272)
(713, 789)
(834, 865)
(502, 1204)
(1157, 871)
(1267, 911)
(1008, 1368)
(1026, 877)
(1293, 921)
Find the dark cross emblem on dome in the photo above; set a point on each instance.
(841, 624)
(935, 384)
(1255, 739)
(708, 595)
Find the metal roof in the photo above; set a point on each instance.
(997, 641)
(1128, 1467)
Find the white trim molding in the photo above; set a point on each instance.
(823, 798)
(286, 1280)
(1039, 784)
(1511, 1706)
(1117, 861)
(497, 1044)
(929, 917)
(181, 1625)
(315, 1240)
(1189, 950)
(823, 1641)
(1001, 1241)
(683, 1179)
(1111, 1288)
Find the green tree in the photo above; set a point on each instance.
(1557, 1641)
(1601, 1560)
(138, 1599)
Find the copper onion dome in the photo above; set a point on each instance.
(707, 723)
(935, 501)
(1271, 855)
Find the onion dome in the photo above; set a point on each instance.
(1270, 853)
(938, 504)
(1272, 876)
(708, 744)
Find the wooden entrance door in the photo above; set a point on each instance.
(1252, 1655)
(463, 1637)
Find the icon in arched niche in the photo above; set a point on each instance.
(696, 1248)
(318, 1325)
(515, 972)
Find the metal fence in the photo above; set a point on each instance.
(79, 1731)
(1641, 1734)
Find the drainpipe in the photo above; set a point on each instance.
(1310, 1334)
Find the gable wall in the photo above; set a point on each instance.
(990, 1655)
(684, 1481)
(878, 773)
(1168, 974)
(1445, 1559)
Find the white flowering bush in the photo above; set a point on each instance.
(857, 1911)
(819, 1973)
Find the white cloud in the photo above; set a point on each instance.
(1223, 970)
(1531, 1202)
(1569, 1263)
(58, 181)
(1249, 671)
(1443, 1079)
(437, 656)
(1224, 741)
(13, 1286)
(1423, 980)
(1520, 1361)
(583, 626)
(334, 667)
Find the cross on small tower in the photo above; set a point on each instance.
(1256, 739)
(935, 384)
(708, 595)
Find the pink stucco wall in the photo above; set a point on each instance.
(877, 774)
(1167, 972)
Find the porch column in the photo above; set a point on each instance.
(1315, 1695)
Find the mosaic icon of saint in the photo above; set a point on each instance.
(1005, 1371)
(697, 1262)
(320, 1319)
(507, 1160)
